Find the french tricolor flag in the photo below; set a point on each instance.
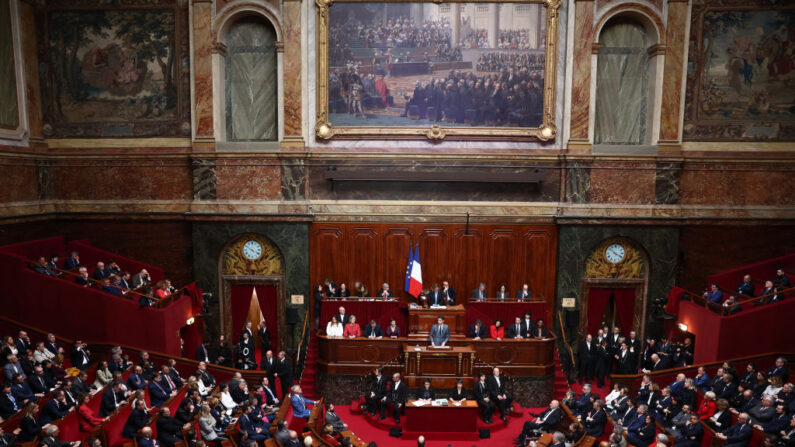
(415, 277)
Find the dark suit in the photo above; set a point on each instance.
(520, 295)
(396, 394)
(264, 340)
(250, 426)
(202, 354)
(71, 264)
(135, 382)
(436, 299)
(478, 332)
(378, 389)
(7, 440)
(285, 372)
(99, 275)
(344, 319)
(79, 359)
(745, 288)
(738, 435)
(40, 384)
(369, 331)
(80, 387)
(515, 330)
(478, 294)
(496, 389)
(49, 441)
(548, 421)
(269, 366)
(169, 431)
(158, 394)
(136, 421)
(109, 402)
(458, 396)
(596, 426)
(585, 355)
(690, 436)
(527, 327)
(53, 410)
(450, 295)
(8, 405)
(481, 391)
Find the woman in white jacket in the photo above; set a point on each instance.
(334, 327)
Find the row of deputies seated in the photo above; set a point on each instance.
(489, 393)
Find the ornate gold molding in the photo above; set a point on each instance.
(632, 266)
(325, 130)
(270, 263)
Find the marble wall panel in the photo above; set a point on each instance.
(532, 392)
(204, 180)
(119, 179)
(672, 71)
(210, 238)
(666, 184)
(547, 191)
(737, 184)
(581, 70)
(578, 182)
(202, 68)
(246, 179)
(292, 69)
(18, 180)
(293, 180)
(622, 183)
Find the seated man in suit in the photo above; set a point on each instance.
(385, 291)
(739, 434)
(396, 396)
(480, 294)
(39, 382)
(51, 438)
(524, 293)
(594, 421)
(691, 433)
(714, 295)
(779, 422)
(146, 439)
(547, 421)
(440, 332)
(477, 330)
(377, 392)
(136, 420)
(22, 392)
(583, 403)
(256, 430)
(298, 402)
(746, 287)
(55, 408)
(99, 272)
(373, 330)
(334, 419)
(502, 400)
(111, 400)
(436, 297)
(779, 369)
(136, 380)
(82, 277)
(158, 391)
(12, 368)
(448, 293)
(657, 363)
(72, 262)
(481, 391)
(8, 403)
(515, 330)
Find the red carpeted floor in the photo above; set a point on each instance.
(368, 431)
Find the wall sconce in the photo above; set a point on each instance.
(192, 320)
(682, 327)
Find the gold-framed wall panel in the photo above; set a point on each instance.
(547, 131)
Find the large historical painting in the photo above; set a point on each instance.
(741, 71)
(120, 72)
(436, 70)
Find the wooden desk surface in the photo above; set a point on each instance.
(426, 349)
(464, 404)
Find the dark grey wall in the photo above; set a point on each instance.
(209, 239)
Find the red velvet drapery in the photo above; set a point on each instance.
(625, 308)
(597, 303)
(267, 296)
(240, 301)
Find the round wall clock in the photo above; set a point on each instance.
(252, 250)
(615, 253)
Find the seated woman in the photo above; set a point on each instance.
(352, 330)
(334, 327)
(497, 330)
(459, 394)
(708, 406)
(775, 386)
(327, 435)
(540, 331)
(208, 427)
(86, 416)
(362, 291)
(104, 376)
(426, 393)
(644, 435)
(58, 372)
(393, 330)
(503, 293)
(227, 401)
(163, 289)
(29, 425)
(722, 419)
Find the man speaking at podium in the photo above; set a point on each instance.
(440, 333)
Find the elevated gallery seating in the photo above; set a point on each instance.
(63, 306)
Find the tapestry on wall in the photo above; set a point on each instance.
(741, 68)
(115, 69)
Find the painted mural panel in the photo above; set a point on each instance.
(120, 71)
(741, 67)
(9, 109)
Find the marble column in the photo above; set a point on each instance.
(204, 140)
(455, 24)
(672, 80)
(293, 129)
(29, 35)
(494, 25)
(581, 73)
(417, 14)
(532, 31)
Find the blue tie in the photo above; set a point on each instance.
(13, 401)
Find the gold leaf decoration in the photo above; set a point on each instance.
(269, 264)
(631, 267)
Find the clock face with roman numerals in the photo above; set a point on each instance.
(252, 250)
(615, 253)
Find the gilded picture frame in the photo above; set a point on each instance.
(335, 119)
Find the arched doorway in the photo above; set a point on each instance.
(251, 271)
(614, 288)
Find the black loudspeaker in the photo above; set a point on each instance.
(572, 318)
(292, 315)
(484, 433)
